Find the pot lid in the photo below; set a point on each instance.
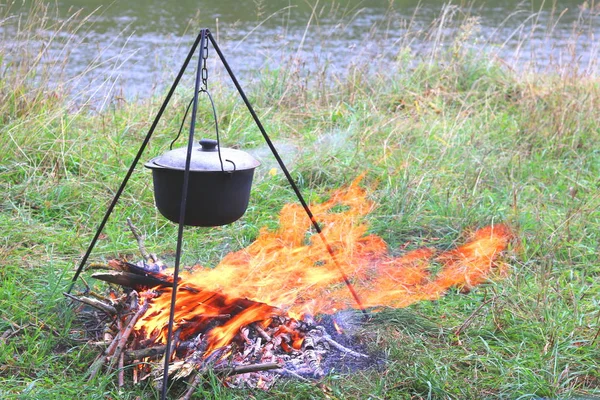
(205, 157)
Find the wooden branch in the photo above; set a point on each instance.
(105, 299)
(90, 301)
(145, 353)
(228, 371)
(135, 378)
(101, 359)
(341, 348)
(174, 341)
(134, 301)
(289, 372)
(244, 369)
(129, 279)
(261, 332)
(97, 265)
(140, 240)
(188, 394)
(87, 287)
(128, 329)
(311, 357)
(120, 376)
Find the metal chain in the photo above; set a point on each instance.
(203, 88)
(204, 53)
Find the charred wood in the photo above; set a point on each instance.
(244, 369)
(130, 280)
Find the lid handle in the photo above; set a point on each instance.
(208, 144)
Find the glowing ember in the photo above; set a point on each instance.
(289, 271)
(338, 328)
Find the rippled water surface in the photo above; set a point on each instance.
(142, 43)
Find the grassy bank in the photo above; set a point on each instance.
(448, 145)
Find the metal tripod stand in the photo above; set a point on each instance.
(201, 40)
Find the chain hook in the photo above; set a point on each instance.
(204, 53)
(203, 88)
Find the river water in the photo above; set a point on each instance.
(139, 45)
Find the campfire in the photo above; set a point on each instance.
(268, 311)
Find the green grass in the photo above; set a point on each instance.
(448, 145)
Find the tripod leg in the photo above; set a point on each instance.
(184, 192)
(287, 174)
(133, 164)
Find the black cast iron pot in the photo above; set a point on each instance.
(218, 193)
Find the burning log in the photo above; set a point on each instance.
(262, 350)
(262, 332)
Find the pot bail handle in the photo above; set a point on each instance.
(212, 103)
(207, 144)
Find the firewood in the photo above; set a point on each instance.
(151, 258)
(130, 280)
(195, 382)
(289, 372)
(101, 359)
(257, 356)
(97, 266)
(128, 329)
(174, 343)
(341, 348)
(108, 300)
(244, 369)
(311, 358)
(90, 301)
(135, 377)
(140, 240)
(261, 332)
(148, 352)
(252, 349)
(121, 377)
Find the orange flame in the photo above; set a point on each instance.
(290, 270)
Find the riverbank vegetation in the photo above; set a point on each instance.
(450, 141)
